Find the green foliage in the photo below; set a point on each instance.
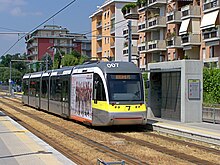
(5, 75)
(75, 58)
(139, 2)
(128, 6)
(211, 86)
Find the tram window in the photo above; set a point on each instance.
(65, 87)
(127, 87)
(33, 84)
(37, 87)
(44, 89)
(55, 91)
(99, 87)
(25, 86)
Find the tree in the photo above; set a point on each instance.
(75, 58)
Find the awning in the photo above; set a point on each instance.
(208, 20)
(184, 26)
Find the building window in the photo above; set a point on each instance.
(203, 53)
(174, 56)
(211, 52)
(51, 41)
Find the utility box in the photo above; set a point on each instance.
(175, 90)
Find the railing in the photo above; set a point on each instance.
(156, 44)
(99, 50)
(212, 34)
(156, 21)
(155, 2)
(191, 39)
(174, 16)
(99, 24)
(211, 114)
(174, 41)
(191, 11)
(210, 4)
(142, 26)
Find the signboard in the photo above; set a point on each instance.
(81, 96)
(194, 89)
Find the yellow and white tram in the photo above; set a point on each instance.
(98, 94)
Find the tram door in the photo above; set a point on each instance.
(65, 97)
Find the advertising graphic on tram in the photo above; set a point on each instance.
(81, 96)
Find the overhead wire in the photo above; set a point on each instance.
(59, 11)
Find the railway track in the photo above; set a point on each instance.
(103, 148)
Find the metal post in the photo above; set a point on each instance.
(10, 87)
(46, 61)
(129, 40)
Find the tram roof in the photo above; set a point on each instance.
(112, 66)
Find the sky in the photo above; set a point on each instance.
(25, 15)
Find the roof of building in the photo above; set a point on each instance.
(108, 2)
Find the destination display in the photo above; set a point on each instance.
(123, 77)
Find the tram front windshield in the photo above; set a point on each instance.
(125, 87)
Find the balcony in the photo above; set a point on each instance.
(142, 47)
(156, 45)
(99, 37)
(174, 17)
(99, 50)
(156, 3)
(131, 13)
(142, 27)
(112, 30)
(191, 39)
(112, 45)
(113, 16)
(33, 45)
(142, 6)
(99, 25)
(174, 42)
(212, 34)
(135, 35)
(210, 5)
(190, 11)
(133, 51)
(63, 45)
(156, 22)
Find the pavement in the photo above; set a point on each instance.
(202, 131)
(18, 146)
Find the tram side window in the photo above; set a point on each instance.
(55, 91)
(99, 90)
(25, 86)
(34, 87)
(44, 89)
(65, 94)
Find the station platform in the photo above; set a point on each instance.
(18, 146)
(206, 132)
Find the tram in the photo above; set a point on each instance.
(95, 93)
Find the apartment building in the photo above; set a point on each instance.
(177, 29)
(52, 38)
(108, 29)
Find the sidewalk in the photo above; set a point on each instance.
(203, 131)
(21, 147)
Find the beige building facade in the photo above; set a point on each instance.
(177, 29)
(108, 29)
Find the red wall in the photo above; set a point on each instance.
(77, 46)
(43, 47)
